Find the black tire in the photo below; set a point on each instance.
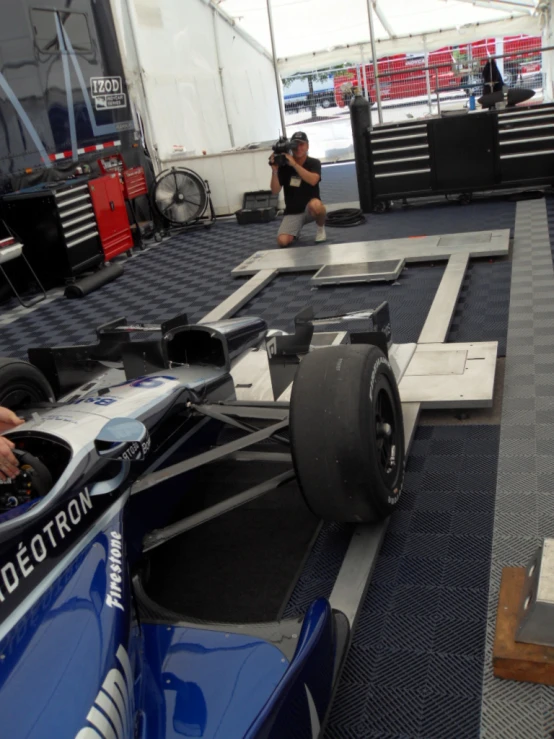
(22, 385)
(349, 467)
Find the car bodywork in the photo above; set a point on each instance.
(84, 651)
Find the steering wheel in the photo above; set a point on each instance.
(33, 481)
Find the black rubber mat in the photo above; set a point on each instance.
(192, 273)
(338, 185)
(424, 219)
(242, 566)
(481, 312)
(409, 300)
(321, 569)
(482, 309)
(416, 663)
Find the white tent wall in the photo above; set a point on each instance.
(181, 47)
(202, 87)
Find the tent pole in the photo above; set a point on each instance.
(364, 73)
(427, 77)
(222, 79)
(276, 70)
(374, 54)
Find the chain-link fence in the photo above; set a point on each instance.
(410, 86)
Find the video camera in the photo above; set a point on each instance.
(282, 147)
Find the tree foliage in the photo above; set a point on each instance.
(317, 75)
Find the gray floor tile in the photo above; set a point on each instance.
(524, 510)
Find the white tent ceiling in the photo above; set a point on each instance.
(317, 33)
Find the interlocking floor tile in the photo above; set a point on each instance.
(426, 625)
(511, 709)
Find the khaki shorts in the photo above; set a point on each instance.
(293, 223)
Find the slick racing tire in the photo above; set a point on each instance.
(22, 385)
(347, 433)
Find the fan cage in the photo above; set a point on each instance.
(180, 196)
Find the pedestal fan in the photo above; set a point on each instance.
(182, 199)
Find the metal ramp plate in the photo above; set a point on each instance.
(438, 363)
(460, 240)
(335, 274)
(422, 249)
(451, 375)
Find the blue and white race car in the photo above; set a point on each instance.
(84, 651)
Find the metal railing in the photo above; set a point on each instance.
(459, 86)
(322, 96)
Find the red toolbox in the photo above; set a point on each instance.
(134, 185)
(110, 210)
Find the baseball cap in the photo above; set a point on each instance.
(299, 136)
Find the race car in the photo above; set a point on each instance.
(84, 651)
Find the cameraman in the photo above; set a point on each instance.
(300, 178)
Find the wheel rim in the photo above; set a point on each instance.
(19, 395)
(386, 435)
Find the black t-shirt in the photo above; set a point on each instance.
(297, 196)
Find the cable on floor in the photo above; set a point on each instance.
(345, 218)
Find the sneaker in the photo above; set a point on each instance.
(320, 234)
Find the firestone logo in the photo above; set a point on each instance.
(114, 596)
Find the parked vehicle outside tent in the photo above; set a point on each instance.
(298, 96)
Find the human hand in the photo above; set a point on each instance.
(291, 160)
(9, 420)
(274, 166)
(8, 463)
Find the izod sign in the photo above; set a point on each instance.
(107, 92)
(105, 85)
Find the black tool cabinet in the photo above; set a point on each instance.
(57, 226)
(464, 153)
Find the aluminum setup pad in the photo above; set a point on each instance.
(421, 249)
